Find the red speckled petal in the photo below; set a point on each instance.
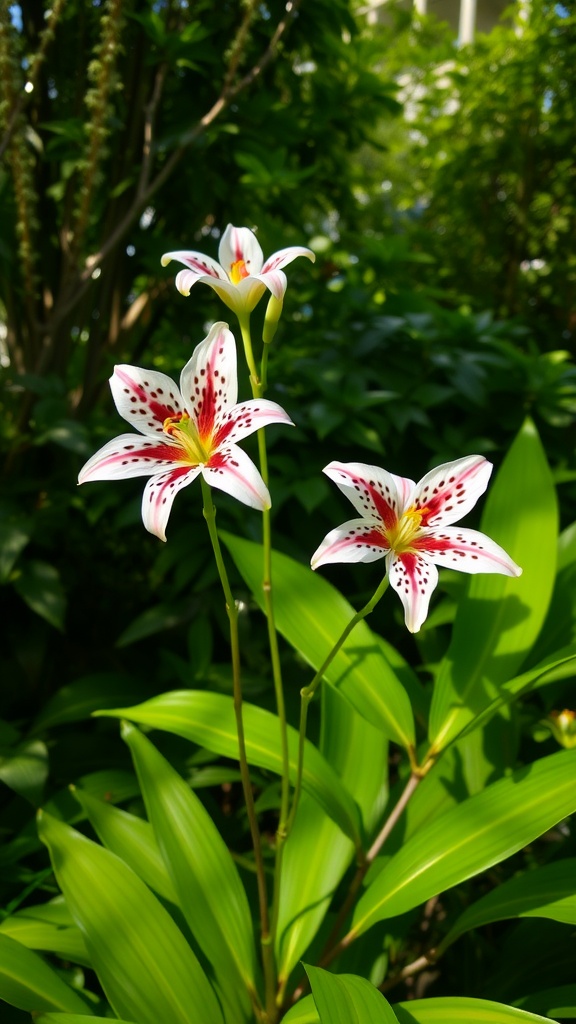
(372, 491)
(159, 494)
(231, 470)
(197, 262)
(209, 380)
(285, 256)
(247, 417)
(413, 578)
(358, 540)
(451, 490)
(131, 455)
(276, 282)
(240, 244)
(145, 398)
(467, 550)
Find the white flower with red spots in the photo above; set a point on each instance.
(411, 526)
(187, 431)
(242, 276)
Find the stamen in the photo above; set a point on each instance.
(238, 271)
(400, 537)
(173, 424)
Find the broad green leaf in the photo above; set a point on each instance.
(471, 837)
(556, 666)
(39, 585)
(501, 616)
(318, 854)
(72, 1018)
(145, 966)
(303, 1012)
(553, 1002)
(348, 999)
(24, 768)
(131, 839)
(28, 983)
(560, 625)
(48, 928)
(312, 615)
(77, 700)
(13, 539)
(202, 871)
(461, 1010)
(549, 891)
(208, 719)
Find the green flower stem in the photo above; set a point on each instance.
(232, 612)
(307, 693)
(282, 830)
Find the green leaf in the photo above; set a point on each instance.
(39, 585)
(48, 928)
(303, 1012)
(76, 701)
(560, 625)
(460, 1009)
(202, 871)
(13, 540)
(72, 1018)
(146, 968)
(553, 1002)
(318, 854)
(348, 999)
(25, 768)
(311, 614)
(131, 839)
(208, 719)
(471, 837)
(549, 891)
(501, 616)
(28, 983)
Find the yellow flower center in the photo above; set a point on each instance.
(238, 271)
(183, 430)
(401, 536)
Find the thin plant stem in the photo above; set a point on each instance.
(307, 693)
(232, 612)
(282, 830)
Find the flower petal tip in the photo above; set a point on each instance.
(165, 259)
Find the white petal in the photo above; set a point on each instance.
(276, 282)
(159, 494)
(145, 398)
(372, 491)
(467, 550)
(413, 579)
(209, 380)
(285, 256)
(197, 262)
(451, 490)
(240, 244)
(231, 470)
(130, 455)
(185, 279)
(358, 540)
(249, 291)
(247, 417)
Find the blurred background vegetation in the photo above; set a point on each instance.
(437, 188)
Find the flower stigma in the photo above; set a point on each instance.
(238, 271)
(183, 430)
(401, 535)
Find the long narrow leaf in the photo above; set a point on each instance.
(312, 614)
(28, 983)
(203, 873)
(549, 891)
(146, 968)
(457, 1010)
(48, 928)
(500, 617)
(471, 837)
(348, 999)
(208, 719)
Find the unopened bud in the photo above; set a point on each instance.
(273, 314)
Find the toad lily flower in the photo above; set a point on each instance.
(410, 525)
(242, 276)
(187, 431)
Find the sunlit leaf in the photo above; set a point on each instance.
(348, 999)
(28, 983)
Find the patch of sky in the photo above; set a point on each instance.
(15, 12)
